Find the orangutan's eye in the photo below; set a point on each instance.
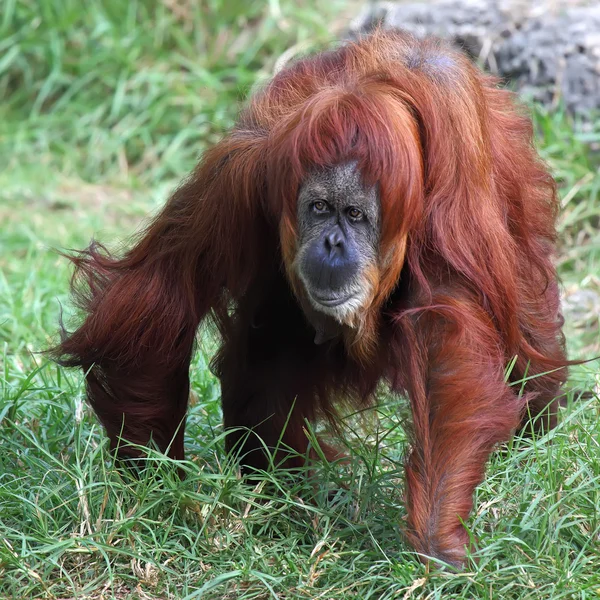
(319, 206)
(355, 214)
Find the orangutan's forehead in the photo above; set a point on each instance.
(336, 182)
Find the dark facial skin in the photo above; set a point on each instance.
(339, 230)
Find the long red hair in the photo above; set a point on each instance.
(464, 282)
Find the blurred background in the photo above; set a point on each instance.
(104, 106)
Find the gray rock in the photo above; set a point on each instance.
(548, 49)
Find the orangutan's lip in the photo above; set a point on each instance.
(331, 302)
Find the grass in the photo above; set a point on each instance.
(102, 111)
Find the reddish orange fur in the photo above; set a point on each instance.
(464, 283)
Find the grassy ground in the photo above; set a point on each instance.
(104, 106)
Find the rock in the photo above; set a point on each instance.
(549, 50)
